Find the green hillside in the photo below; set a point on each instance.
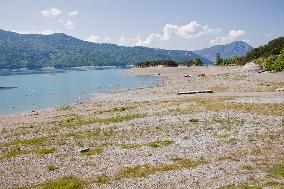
(60, 50)
(273, 47)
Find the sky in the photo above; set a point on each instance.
(168, 24)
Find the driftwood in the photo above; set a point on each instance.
(2, 88)
(194, 92)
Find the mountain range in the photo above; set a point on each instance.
(61, 50)
(237, 48)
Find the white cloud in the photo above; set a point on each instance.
(188, 31)
(69, 24)
(60, 21)
(73, 13)
(150, 39)
(191, 30)
(232, 36)
(43, 32)
(52, 12)
(98, 39)
(129, 41)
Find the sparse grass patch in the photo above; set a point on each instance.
(76, 121)
(34, 141)
(21, 187)
(93, 151)
(157, 144)
(229, 122)
(90, 164)
(188, 163)
(19, 152)
(142, 171)
(106, 144)
(193, 120)
(230, 157)
(145, 170)
(129, 146)
(61, 156)
(233, 141)
(72, 121)
(274, 184)
(233, 186)
(277, 170)
(247, 167)
(46, 151)
(102, 179)
(91, 135)
(14, 153)
(121, 118)
(116, 109)
(51, 168)
(67, 182)
(224, 135)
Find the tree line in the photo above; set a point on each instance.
(168, 63)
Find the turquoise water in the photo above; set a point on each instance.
(44, 88)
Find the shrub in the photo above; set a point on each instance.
(272, 63)
(167, 63)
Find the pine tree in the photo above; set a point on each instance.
(219, 60)
(197, 62)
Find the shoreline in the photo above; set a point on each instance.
(152, 137)
(53, 108)
(91, 97)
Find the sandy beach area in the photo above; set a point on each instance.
(154, 138)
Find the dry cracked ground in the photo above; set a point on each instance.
(153, 138)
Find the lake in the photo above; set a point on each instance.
(48, 87)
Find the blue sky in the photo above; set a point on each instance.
(169, 24)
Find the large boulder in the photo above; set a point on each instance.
(252, 67)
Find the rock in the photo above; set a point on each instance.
(280, 89)
(83, 150)
(251, 67)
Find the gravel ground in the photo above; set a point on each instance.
(259, 100)
(154, 138)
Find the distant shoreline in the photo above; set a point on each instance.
(63, 68)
